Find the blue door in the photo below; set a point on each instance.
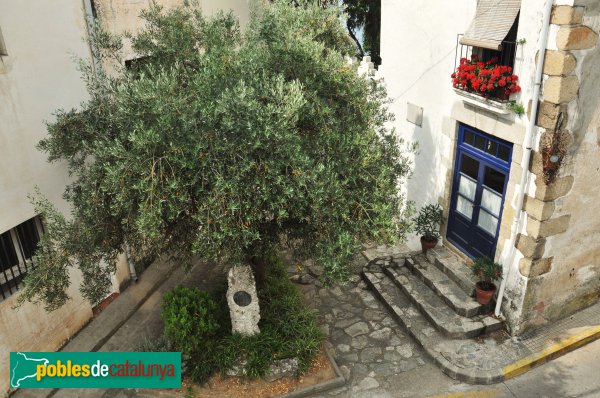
(478, 188)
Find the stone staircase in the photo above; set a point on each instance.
(432, 298)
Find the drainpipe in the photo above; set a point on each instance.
(527, 145)
(90, 19)
(132, 273)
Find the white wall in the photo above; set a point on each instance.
(37, 77)
(418, 42)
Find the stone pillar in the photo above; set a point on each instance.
(243, 300)
(560, 89)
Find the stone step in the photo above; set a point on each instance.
(448, 290)
(440, 349)
(436, 310)
(454, 267)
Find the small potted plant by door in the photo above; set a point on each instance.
(427, 223)
(486, 271)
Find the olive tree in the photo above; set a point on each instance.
(222, 145)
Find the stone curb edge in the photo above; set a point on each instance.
(554, 351)
(471, 377)
(321, 387)
(501, 374)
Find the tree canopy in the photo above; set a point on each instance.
(221, 144)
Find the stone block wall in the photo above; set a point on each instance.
(561, 241)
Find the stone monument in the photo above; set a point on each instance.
(243, 300)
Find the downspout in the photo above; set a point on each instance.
(90, 19)
(132, 273)
(527, 144)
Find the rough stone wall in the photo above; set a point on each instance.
(561, 243)
(31, 328)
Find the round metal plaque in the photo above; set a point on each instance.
(242, 298)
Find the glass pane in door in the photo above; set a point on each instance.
(487, 222)
(467, 187)
(464, 207)
(491, 201)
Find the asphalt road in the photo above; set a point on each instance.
(576, 374)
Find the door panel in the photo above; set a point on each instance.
(478, 191)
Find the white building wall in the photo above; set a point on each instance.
(418, 42)
(37, 77)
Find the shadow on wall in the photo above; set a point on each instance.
(426, 183)
(589, 100)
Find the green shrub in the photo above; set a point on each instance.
(427, 222)
(198, 324)
(191, 319)
(288, 328)
(486, 271)
(159, 344)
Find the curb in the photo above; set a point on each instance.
(554, 351)
(498, 375)
(321, 387)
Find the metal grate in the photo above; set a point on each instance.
(17, 249)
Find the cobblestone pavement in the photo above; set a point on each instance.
(369, 346)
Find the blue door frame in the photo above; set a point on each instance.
(478, 188)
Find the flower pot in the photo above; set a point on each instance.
(484, 296)
(426, 244)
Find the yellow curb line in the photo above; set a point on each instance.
(551, 352)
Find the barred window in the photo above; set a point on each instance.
(17, 247)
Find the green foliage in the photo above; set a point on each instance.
(516, 107)
(159, 344)
(220, 143)
(365, 15)
(486, 270)
(288, 329)
(427, 222)
(190, 318)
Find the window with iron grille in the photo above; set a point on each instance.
(17, 247)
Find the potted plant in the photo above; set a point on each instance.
(427, 223)
(486, 271)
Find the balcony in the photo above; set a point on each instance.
(484, 77)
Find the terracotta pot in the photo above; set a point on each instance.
(426, 245)
(484, 296)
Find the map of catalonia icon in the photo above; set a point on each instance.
(23, 367)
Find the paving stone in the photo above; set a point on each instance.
(405, 350)
(352, 357)
(359, 371)
(357, 329)
(370, 354)
(368, 383)
(343, 348)
(381, 334)
(371, 315)
(392, 356)
(345, 372)
(395, 339)
(344, 323)
(359, 342)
